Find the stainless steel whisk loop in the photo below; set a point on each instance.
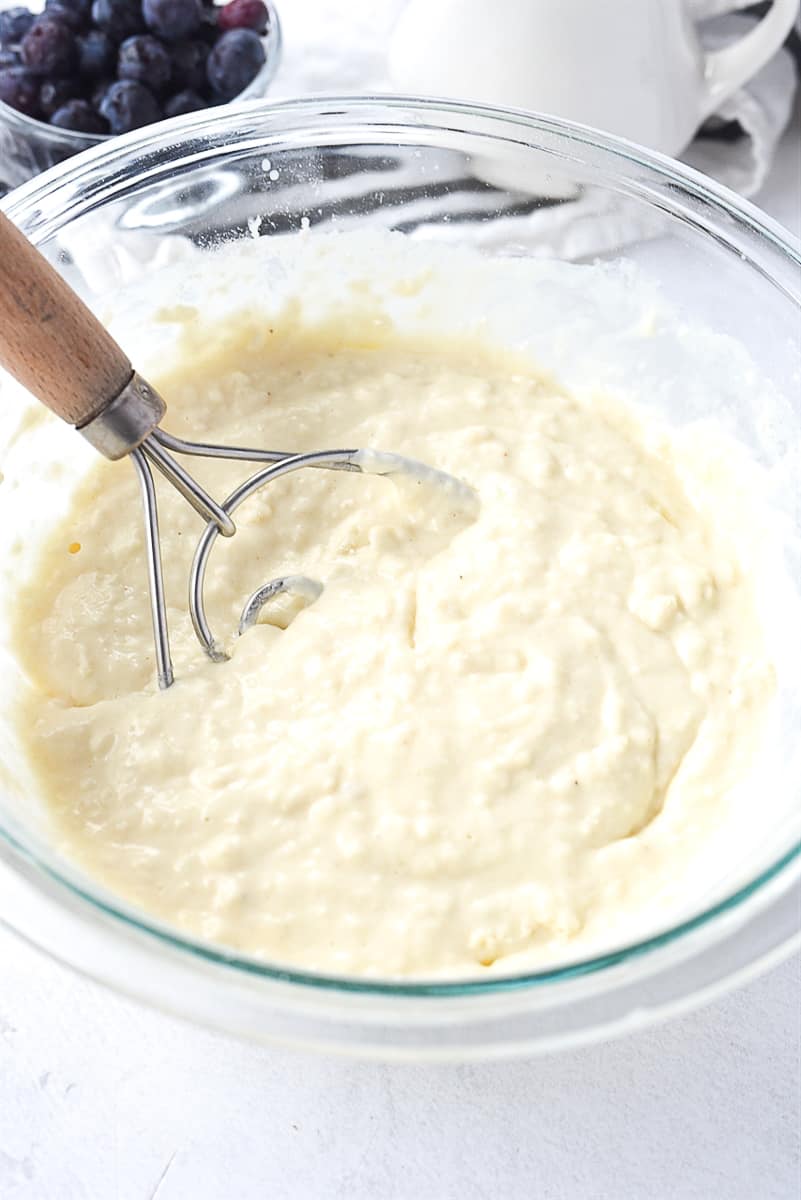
(302, 585)
(151, 450)
(156, 448)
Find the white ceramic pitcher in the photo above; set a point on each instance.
(631, 67)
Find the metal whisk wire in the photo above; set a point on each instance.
(219, 522)
(279, 464)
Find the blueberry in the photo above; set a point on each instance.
(189, 65)
(14, 24)
(129, 105)
(80, 116)
(9, 58)
(49, 47)
(145, 59)
(209, 30)
(74, 13)
(20, 88)
(183, 102)
(173, 19)
(55, 92)
(120, 19)
(99, 91)
(234, 62)
(96, 53)
(244, 14)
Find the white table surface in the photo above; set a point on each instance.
(101, 1099)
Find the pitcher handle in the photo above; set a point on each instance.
(728, 69)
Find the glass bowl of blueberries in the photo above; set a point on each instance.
(76, 72)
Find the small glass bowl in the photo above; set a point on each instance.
(512, 185)
(28, 146)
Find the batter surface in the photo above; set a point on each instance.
(492, 742)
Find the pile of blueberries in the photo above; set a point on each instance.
(109, 66)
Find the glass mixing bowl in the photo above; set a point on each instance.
(513, 185)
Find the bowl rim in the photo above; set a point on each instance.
(784, 869)
(72, 141)
(164, 134)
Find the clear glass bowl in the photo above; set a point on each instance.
(440, 172)
(28, 147)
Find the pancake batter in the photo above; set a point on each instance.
(494, 741)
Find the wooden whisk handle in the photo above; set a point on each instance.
(49, 339)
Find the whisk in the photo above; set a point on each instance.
(57, 349)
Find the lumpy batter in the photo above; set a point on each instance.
(493, 741)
